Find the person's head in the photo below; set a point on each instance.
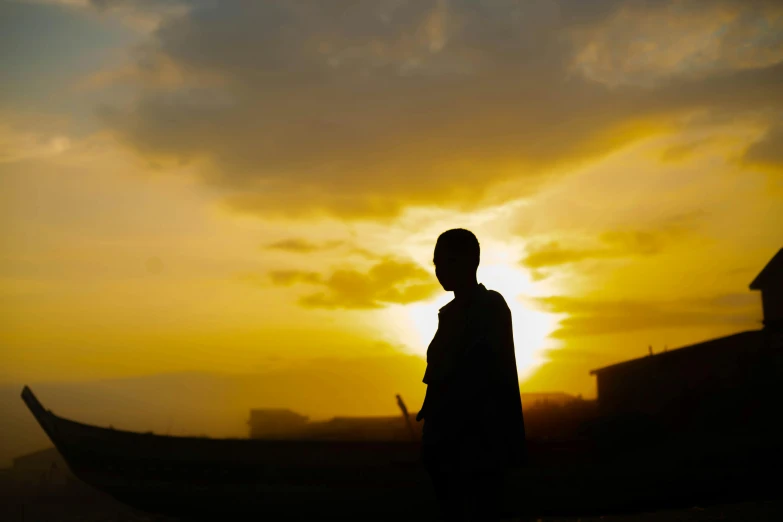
(456, 258)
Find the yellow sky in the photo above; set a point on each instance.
(215, 188)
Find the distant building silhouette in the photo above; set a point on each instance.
(552, 415)
(732, 383)
(362, 428)
(271, 423)
(287, 424)
(537, 399)
(770, 282)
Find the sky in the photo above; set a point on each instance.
(255, 188)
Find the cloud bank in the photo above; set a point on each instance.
(388, 281)
(362, 109)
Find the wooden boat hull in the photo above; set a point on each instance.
(199, 476)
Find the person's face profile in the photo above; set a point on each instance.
(450, 268)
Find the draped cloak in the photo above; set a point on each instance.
(472, 410)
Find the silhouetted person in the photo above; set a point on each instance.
(473, 426)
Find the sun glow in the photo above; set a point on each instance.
(531, 327)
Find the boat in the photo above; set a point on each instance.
(233, 479)
(201, 477)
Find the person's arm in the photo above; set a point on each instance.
(421, 413)
(513, 423)
(484, 364)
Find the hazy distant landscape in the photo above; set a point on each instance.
(219, 405)
(213, 404)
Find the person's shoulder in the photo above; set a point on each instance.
(495, 300)
(448, 306)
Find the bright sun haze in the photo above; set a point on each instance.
(531, 327)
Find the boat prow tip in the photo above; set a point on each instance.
(32, 402)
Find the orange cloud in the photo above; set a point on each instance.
(387, 282)
(290, 277)
(596, 317)
(302, 246)
(614, 244)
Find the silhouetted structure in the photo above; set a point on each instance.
(731, 383)
(360, 428)
(286, 424)
(563, 418)
(538, 399)
(770, 282)
(273, 423)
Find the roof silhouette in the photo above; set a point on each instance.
(746, 338)
(771, 275)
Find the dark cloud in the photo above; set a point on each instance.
(302, 246)
(361, 109)
(290, 277)
(137, 4)
(614, 244)
(636, 242)
(768, 151)
(553, 254)
(596, 317)
(683, 151)
(387, 282)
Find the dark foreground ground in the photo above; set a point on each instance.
(700, 480)
(75, 502)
